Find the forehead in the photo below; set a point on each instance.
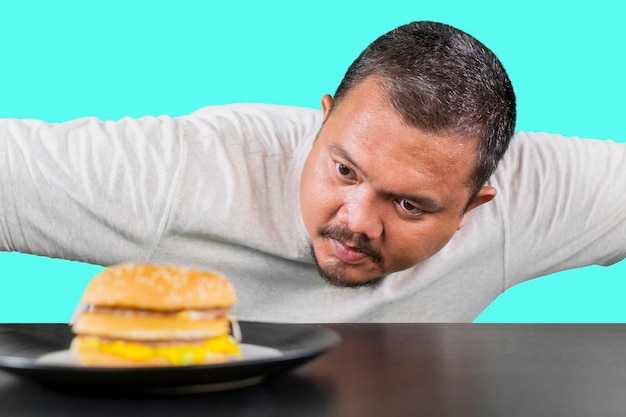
(366, 127)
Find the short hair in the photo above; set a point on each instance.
(443, 81)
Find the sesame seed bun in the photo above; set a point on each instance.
(158, 287)
(154, 315)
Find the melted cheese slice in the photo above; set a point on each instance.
(176, 355)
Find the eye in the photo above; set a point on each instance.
(409, 208)
(343, 170)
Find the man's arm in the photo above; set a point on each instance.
(87, 190)
(563, 202)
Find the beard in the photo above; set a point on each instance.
(337, 276)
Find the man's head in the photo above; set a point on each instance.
(443, 81)
(417, 126)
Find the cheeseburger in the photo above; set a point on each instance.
(155, 315)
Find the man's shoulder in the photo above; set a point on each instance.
(268, 116)
(257, 109)
(541, 148)
(252, 122)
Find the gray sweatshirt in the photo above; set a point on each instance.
(218, 189)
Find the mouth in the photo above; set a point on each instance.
(346, 258)
(352, 249)
(347, 254)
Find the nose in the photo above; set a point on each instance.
(361, 213)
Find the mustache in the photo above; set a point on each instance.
(357, 241)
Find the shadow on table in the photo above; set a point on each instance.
(286, 395)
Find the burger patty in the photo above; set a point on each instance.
(205, 314)
(156, 343)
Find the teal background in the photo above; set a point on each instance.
(65, 59)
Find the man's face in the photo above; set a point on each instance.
(379, 196)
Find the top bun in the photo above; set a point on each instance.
(158, 287)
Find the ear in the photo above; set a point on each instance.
(327, 104)
(484, 195)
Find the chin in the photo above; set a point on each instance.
(342, 280)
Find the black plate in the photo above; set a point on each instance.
(22, 346)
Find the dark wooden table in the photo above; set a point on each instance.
(399, 370)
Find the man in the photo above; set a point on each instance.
(390, 193)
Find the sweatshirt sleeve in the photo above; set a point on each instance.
(87, 190)
(563, 203)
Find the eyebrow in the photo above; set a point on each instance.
(427, 203)
(341, 150)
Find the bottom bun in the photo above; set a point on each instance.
(90, 352)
